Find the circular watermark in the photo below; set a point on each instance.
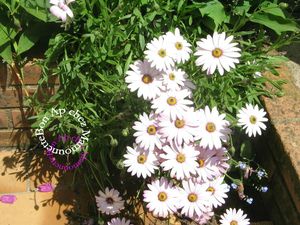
(59, 113)
(60, 166)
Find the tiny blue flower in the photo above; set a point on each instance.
(264, 189)
(234, 186)
(249, 201)
(242, 165)
(260, 174)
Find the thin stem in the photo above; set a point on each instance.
(16, 71)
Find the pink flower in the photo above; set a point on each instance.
(9, 199)
(45, 187)
(60, 9)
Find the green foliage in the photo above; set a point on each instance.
(22, 25)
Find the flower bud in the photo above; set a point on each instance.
(283, 5)
(114, 142)
(125, 132)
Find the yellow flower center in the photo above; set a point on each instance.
(180, 158)
(147, 79)
(253, 119)
(210, 127)
(201, 162)
(234, 222)
(178, 45)
(210, 189)
(151, 130)
(192, 197)
(179, 123)
(141, 159)
(162, 196)
(109, 200)
(172, 101)
(162, 53)
(217, 53)
(172, 76)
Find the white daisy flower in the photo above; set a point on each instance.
(234, 217)
(61, 10)
(180, 160)
(161, 198)
(140, 162)
(109, 202)
(176, 79)
(220, 161)
(172, 103)
(205, 217)
(251, 118)
(159, 53)
(192, 199)
(145, 79)
(179, 130)
(217, 52)
(206, 165)
(213, 128)
(217, 190)
(118, 221)
(147, 136)
(179, 45)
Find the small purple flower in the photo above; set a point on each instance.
(45, 187)
(9, 199)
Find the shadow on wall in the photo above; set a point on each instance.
(70, 192)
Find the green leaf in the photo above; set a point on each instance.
(28, 39)
(7, 32)
(142, 41)
(272, 8)
(215, 10)
(242, 9)
(39, 13)
(180, 5)
(5, 53)
(138, 14)
(276, 23)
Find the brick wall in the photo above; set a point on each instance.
(278, 151)
(21, 169)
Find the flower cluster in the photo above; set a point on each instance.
(61, 10)
(185, 144)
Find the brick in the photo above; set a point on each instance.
(32, 73)
(10, 172)
(284, 201)
(12, 97)
(289, 163)
(3, 75)
(3, 119)
(20, 117)
(35, 208)
(9, 138)
(286, 107)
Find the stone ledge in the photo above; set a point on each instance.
(280, 147)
